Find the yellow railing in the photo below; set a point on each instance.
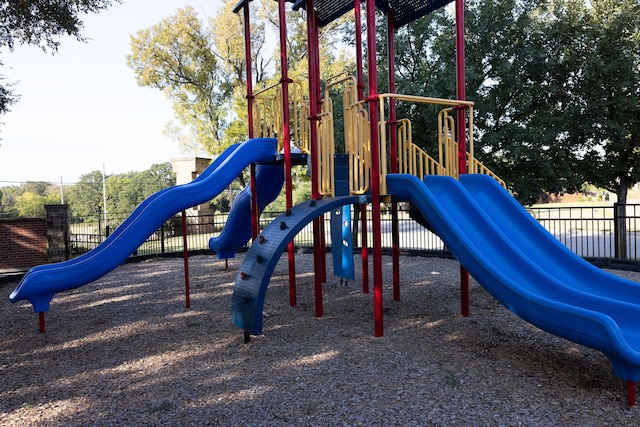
(482, 169)
(384, 153)
(449, 149)
(267, 115)
(326, 154)
(358, 147)
(447, 145)
(356, 134)
(412, 159)
(267, 112)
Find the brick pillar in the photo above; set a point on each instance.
(57, 232)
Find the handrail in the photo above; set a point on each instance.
(356, 134)
(412, 159)
(448, 168)
(267, 116)
(358, 146)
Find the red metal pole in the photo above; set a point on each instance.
(248, 68)
(255, 214)
(41, 322)
(359, 61)
(185, 256)
(286, 139)
(375, 169)
(393, 152)
(363, 206)
(314, 89)
(462, 135)
(631, 393)
(364, 243)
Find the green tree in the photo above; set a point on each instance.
(41, 188)
(86, 197)
(31, 205)
(9, 196)
(198, 67)
(41, 23)
(176, 57)
(555, 86)
(201, 68)
(611, 95)
(123, 191)
(126, 191)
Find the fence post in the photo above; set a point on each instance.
(620, 230)
(162, 238)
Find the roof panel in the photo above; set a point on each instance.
(405, 11)
(408, 11)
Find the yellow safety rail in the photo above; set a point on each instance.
(267, 115)
(412, 159)
(449, 149)
(326, 152)
(482, 169)
(358, 146)
(447, 145)
(356, 133)
(300, 131)
(384, 154)
(267, 112)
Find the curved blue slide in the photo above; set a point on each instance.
(547, 252)
(506, 257)
(237, 230)
(41, 283)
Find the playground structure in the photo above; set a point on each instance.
(464, 202)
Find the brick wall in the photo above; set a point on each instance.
(23, 243)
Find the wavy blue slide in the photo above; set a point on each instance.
(513, 259)
(41, 283)
(237, 230)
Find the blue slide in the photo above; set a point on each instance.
(516, 261)
(237, 230)
(41, 283)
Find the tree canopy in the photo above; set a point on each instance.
(124, 191)
(200, 66)
(556, 85)
(41, 23)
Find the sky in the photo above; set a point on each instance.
(81, 109)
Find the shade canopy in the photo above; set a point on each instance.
(405, 11)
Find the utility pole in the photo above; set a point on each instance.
(104, 198)
(61, 192)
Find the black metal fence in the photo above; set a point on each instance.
(594, 232)
(587, 231)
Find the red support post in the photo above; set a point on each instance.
(393, 153)
(314, 105)
(373, 101)
(462, 132)
(363, 206)
(185, 256)
(631, 393)
(359, 61)
(286, 140)
(365, 248)
(41, 322)
(255, 214)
